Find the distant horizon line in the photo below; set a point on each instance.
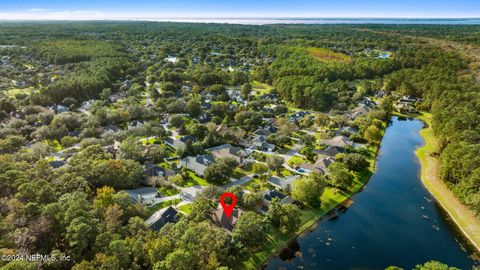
(263, 18)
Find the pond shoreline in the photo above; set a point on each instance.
(463, 218)
(314, 222)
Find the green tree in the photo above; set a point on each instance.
(285, 217)
(245, 90)
(355, 162)
(259, 168)
(275, 162)
(339, 176)
(434, 265)
(250, 230)
(307, 190)
(373, 134)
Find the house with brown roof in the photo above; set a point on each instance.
(220, 219)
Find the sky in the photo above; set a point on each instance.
(162, 9)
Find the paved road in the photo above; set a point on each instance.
(292, 152)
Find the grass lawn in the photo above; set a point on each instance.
(168, 191)
(54, 144)
(161, 205)
(284, 172)
(296, 160)
(282, 151)
(15, 91)
(276, 240)
(328, 56)
(256, 184)
(186, 208)
(194, 180)
(261, 88)
(238, 173)
(149, 140)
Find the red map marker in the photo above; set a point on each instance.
(228, 208)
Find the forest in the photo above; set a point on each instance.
(86, 108)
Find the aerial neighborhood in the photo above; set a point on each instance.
(123, 138)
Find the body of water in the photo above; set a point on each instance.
(393, 221)
(262, 21)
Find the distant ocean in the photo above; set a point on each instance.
(262, 21)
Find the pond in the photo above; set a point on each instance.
(392, 221)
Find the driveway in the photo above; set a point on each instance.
(236, 182)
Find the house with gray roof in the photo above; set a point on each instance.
(154, 170)
(229, 151)
(269, 195)
(282, 182)
(197, 164)
(340, 141)
(260, 142)
(174, 143)
(330, 151)
(145, 196)
(320, 166)
(190, 193)
(162, 217)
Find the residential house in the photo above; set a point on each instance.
(234, 95)
(55, 164)
(265, 131)
(320, 166)
(17, 114)
(152, 170)
(136, 124)
(229, 151)
(269, 195)
(59, 109)
(222, 129)
(74, 133)
(197, 164)
(298, 116)
(347, 130)
(360, 110)
(205, 117)
(368, 102)
(340, 141)
(260, 142)
(206, 105)
(330, 151)
(109, 130)
(282, 183)
(145, 196)
(221, 220)
(174, 143)
(162, 217)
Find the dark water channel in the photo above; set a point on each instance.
(393, 221)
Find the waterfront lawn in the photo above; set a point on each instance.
(330, 199)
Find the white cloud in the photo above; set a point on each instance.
(37, 10)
